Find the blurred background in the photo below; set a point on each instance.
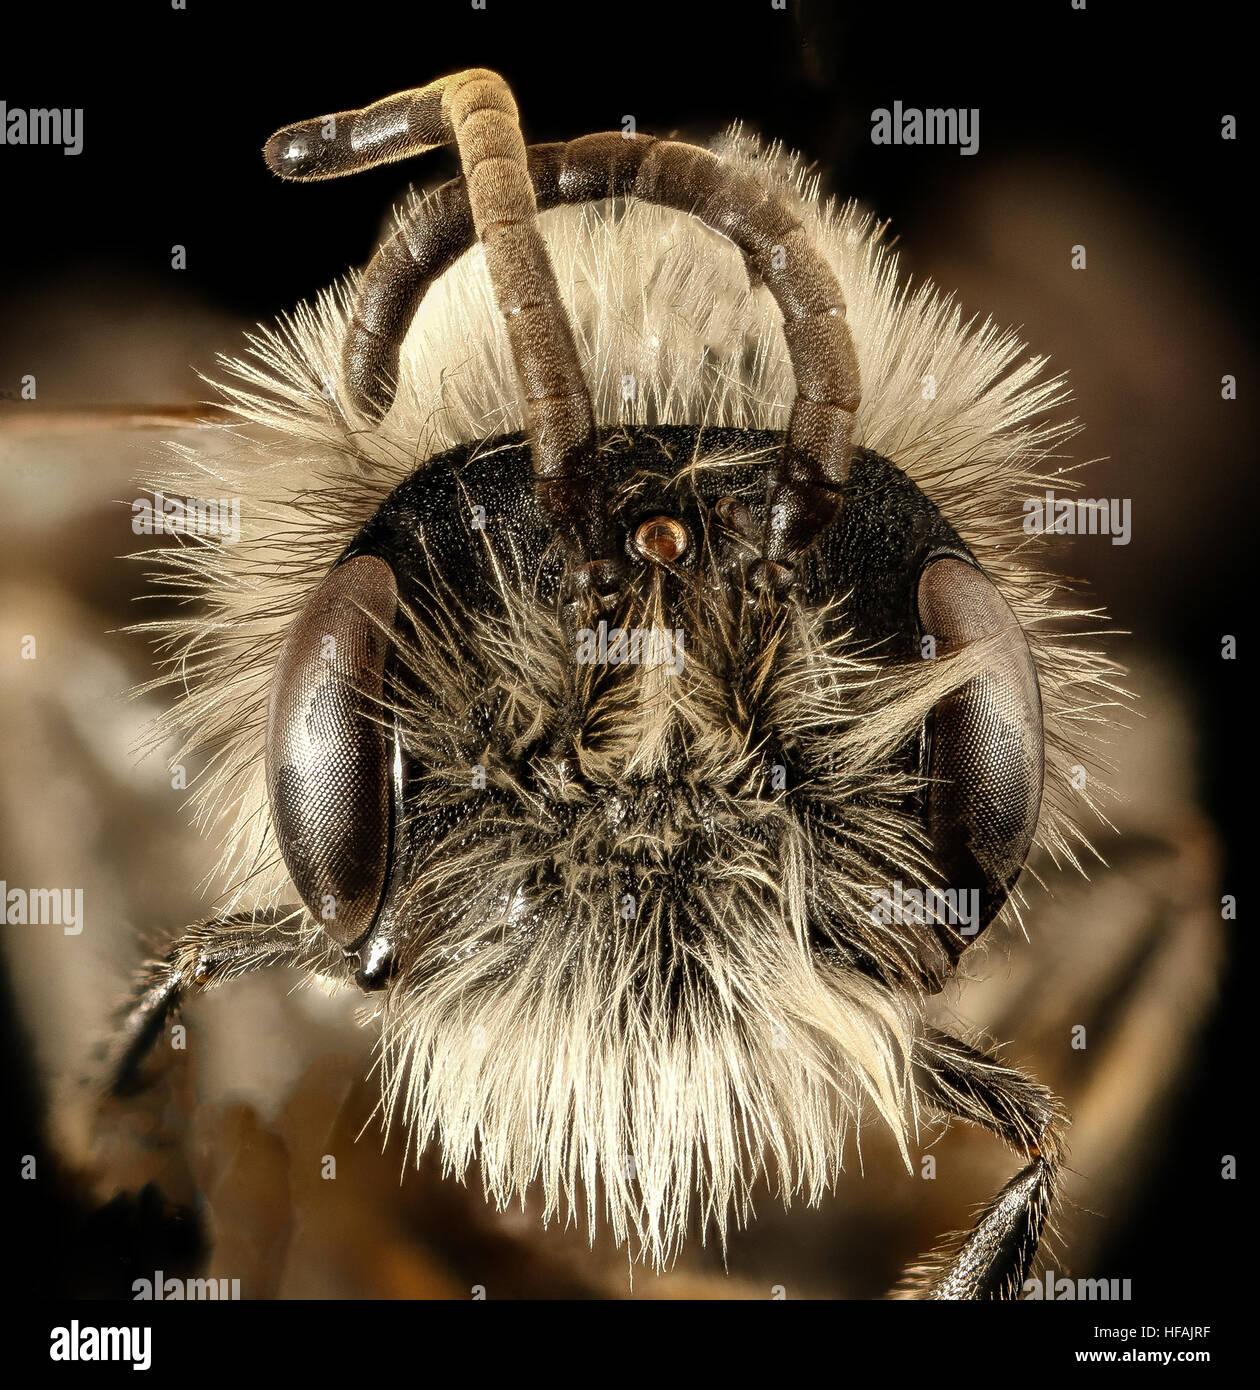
(1096, 129)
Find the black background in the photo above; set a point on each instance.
(179, 103)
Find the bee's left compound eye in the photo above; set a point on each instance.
(328, 757)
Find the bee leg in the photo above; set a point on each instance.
(992, 1259)
(207, 954)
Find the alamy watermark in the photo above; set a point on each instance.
(43, 907)
(938, 125)
(1063, 1289)
(918, 907)
(42, 126)
(1050, 515)
(79, 1343)
(167, 1288)
(187, 516)
(632, 646)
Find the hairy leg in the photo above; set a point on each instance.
(992, 1259)
(207, 954)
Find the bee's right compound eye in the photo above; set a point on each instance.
(328, 755)
(988, 750)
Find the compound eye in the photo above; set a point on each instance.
(328, 758)
(988, 750)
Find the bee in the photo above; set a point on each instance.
(632, 676)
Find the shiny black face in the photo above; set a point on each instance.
(876, 549)
(338, 786)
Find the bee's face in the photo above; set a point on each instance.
(457, 756)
